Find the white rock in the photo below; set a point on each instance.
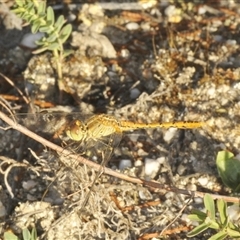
(203, 181)
(231, 42)
(138, 163)
(125, 163)
(132, 26)
(170, 10)
(161, 160)
(169, 135)
(29, 40)
(198, 200)
(152, 167)
(125, 53)
(201, 10)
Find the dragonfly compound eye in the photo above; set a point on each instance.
(76, 131)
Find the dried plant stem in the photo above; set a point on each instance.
(155, 186)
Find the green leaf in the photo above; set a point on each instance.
(53, 46)
(41, 8)
(65, 33)
(41, 41)
(36, 24)
(18, 11)
(30, 8)
(20, 2)
(34, 234)
(32, 18)
(50, 15)
(209, 205)
(214, 225)
(26, 234)
(44, 29)
(229, 170)
(9, 236)
(35, 28)
(67, 52)
(40, 50)
(202, 227)
(25, 15)
(52, 38)
(222, 209)
(233, 233)
(219, 236)
(59, 23)
(197, 215)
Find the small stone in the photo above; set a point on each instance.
(125, 163)
(29, 184)
(29, 40)
(169, 135)
(151, 167)
(134, 93)
(132, 26)
(203, 181)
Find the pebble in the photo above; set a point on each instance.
(132, 26)
(169, 135)
(29, 184)
(138, 163)
(203, 181)
(125, 163)
(161, 160)
(134, 93)
(29, 40)
(151, 167)
(170, 10)
(181, 169)
(125, 53)
(145, 26)
(198, 200)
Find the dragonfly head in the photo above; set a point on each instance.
(76, 131)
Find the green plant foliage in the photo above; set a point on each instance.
(26, 234)
(29, 236)
(207, 220)
(229, 170)
(9, 236)
(42, 19)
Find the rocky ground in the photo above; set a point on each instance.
(142, 61)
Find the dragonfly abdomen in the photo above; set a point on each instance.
(127, 125)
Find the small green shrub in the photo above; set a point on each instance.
(42, 19)
(221, 223)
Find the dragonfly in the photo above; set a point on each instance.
(102, 132)
(101, 126)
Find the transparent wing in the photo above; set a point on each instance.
(102, 148)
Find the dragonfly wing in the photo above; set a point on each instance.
(103, 148)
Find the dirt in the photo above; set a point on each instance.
(162, 62)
